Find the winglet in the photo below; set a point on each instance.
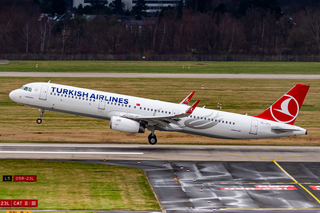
(188, 98)
(190, 110)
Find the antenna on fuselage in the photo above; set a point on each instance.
(49, 81)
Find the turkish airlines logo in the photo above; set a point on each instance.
(285, 110)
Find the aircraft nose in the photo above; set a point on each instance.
(12, 95)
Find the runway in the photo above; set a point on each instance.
(222, 178)
(159, 152)
(157, 75)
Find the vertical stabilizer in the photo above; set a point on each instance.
(286, 109)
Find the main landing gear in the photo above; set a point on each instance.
(39, 120)
(152, 139)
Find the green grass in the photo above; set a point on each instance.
(252, 96)
(164, 67)
(71, 186)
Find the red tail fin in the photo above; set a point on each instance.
(286, 109)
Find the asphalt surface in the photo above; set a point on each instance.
(228, 179)
(157, 75)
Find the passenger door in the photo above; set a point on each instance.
(254, 127)
(43, 93)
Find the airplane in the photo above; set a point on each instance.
(134, 115)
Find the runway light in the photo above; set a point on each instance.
(104, 159)
(164, 164)
(194, 180)
(138, 162)
(209, 201)
(201, 190)
(214, 208)
(181, 167)
(188, 170)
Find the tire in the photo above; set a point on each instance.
(152, 139)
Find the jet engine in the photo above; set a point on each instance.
(126, 125)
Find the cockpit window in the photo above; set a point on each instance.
(26, 88)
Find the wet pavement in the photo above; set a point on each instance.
(231, 186)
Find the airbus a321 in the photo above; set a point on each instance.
(134, 115)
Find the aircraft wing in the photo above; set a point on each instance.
(188, 98)
(154, 120)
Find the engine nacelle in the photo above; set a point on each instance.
(126, 125)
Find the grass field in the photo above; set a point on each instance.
(17, 123)
(69, 186)
(164, 67)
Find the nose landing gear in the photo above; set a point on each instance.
(39, 120)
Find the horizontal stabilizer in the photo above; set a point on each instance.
(282, 129)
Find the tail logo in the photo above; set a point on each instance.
(285, 110)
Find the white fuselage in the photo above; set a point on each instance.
(104, 105)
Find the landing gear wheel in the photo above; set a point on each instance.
(152, 139)
(39, 121)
